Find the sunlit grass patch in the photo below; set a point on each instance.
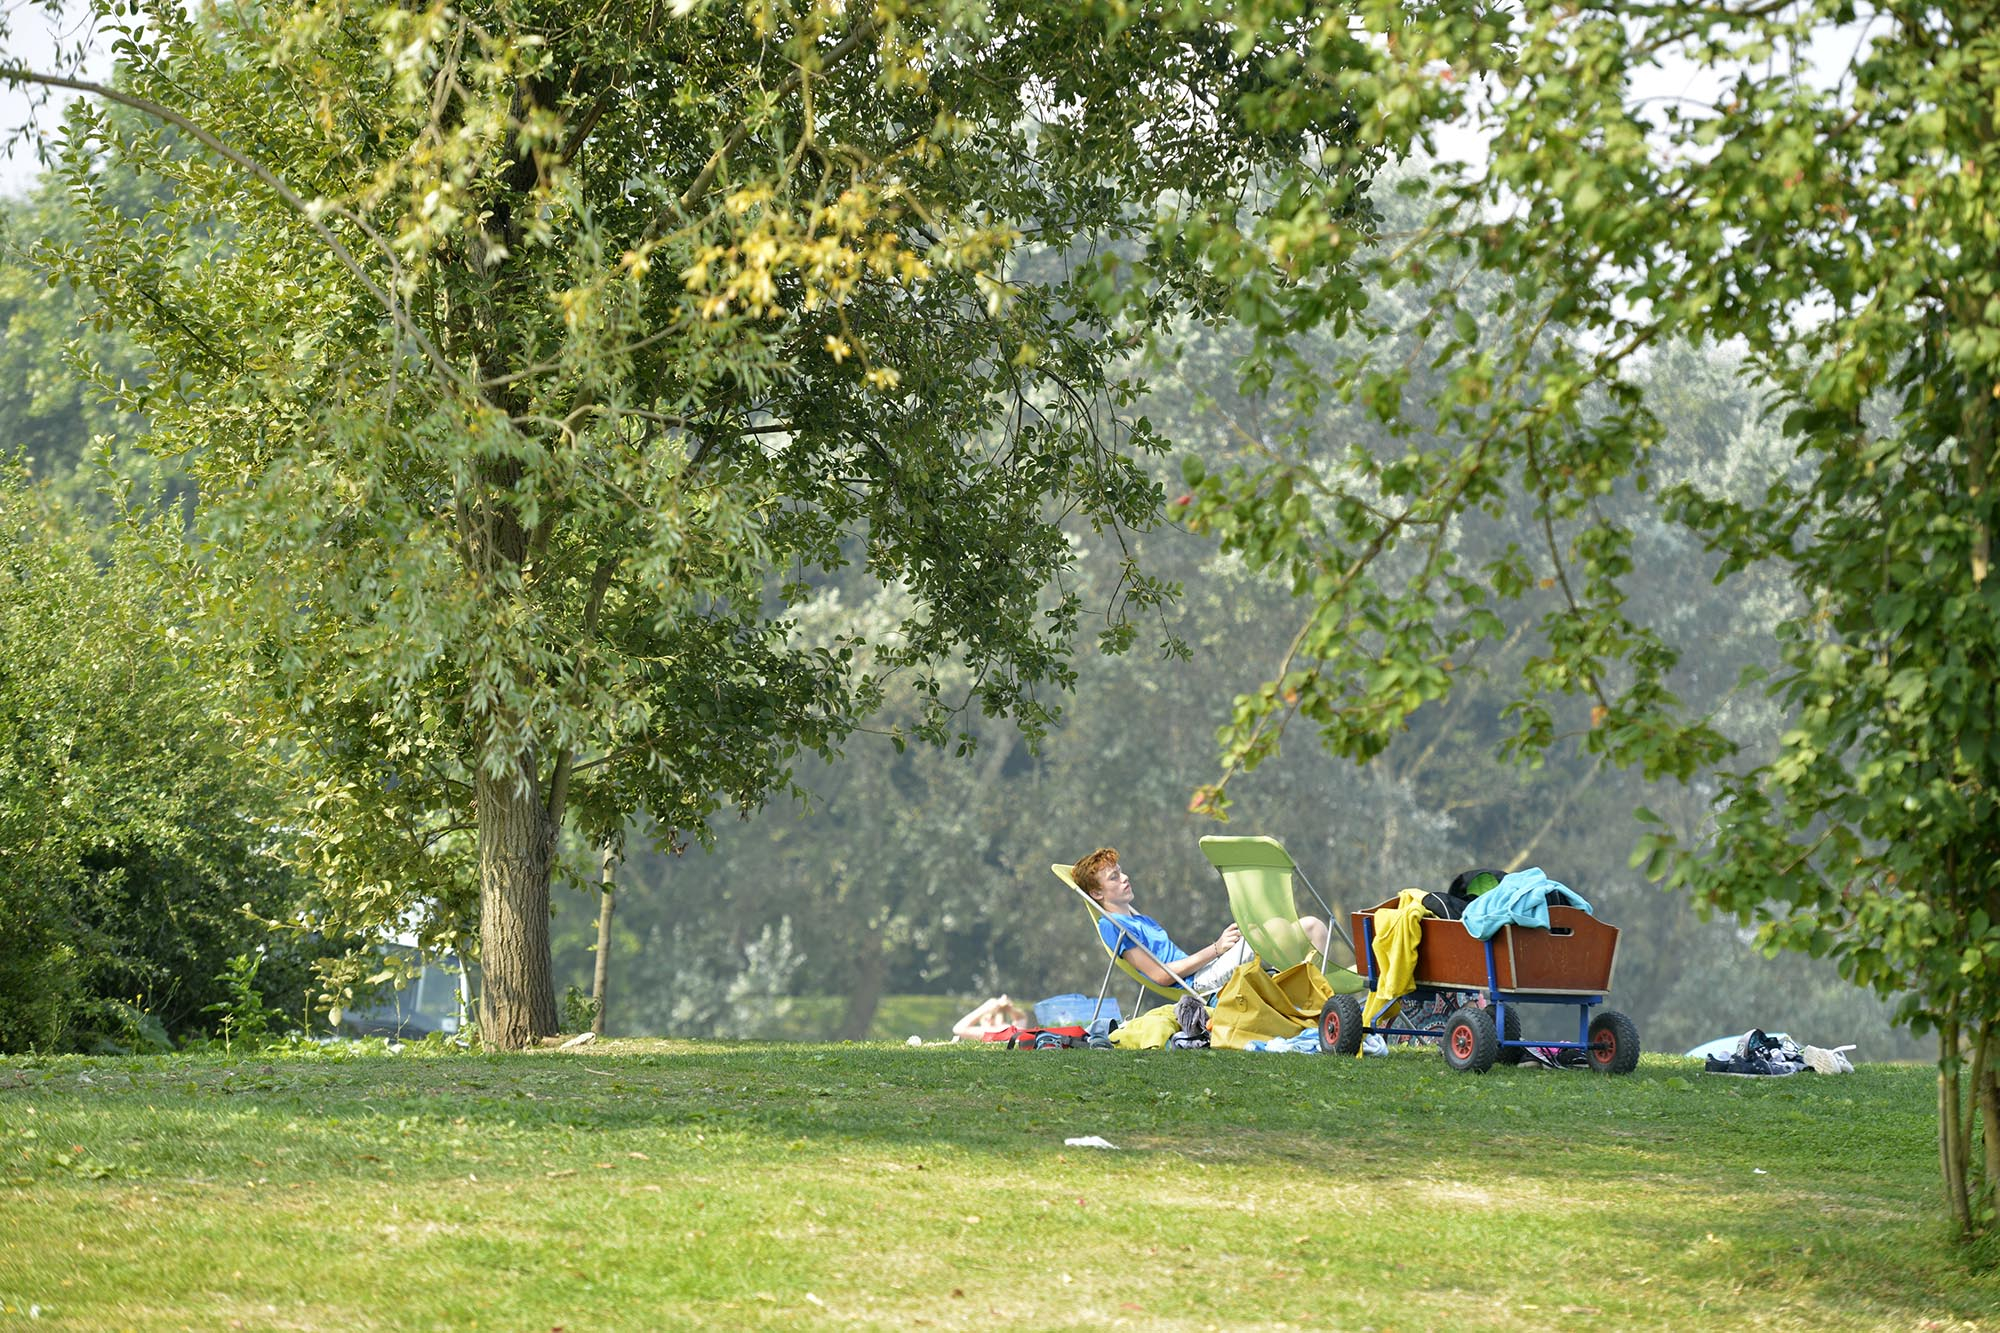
(682, 1185)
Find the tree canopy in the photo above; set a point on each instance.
(532, 360)
(1823, 202)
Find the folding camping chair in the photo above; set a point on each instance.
(1258, 875)
(1146, 983)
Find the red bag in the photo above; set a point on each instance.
(1040, 1039)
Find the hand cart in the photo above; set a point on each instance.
(1570, 963)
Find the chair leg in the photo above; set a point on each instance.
(1103, 989)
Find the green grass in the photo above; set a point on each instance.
(674, 1185)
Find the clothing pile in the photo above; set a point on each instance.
(1520, 899)
(1759, 1055)
(1306, 1043)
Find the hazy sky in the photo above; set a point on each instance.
(32, 39)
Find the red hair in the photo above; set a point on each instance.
(1086, 871)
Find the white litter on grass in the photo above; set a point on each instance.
(580, 1039)
(1759, 1171)
(1089, 1141)
(914, 1040)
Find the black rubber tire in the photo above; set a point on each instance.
(1614, 1043)
(1340, 1026)
(1469, 1040)
(1511, 1031)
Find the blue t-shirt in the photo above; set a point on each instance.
(1122, 932)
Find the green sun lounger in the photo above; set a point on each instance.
(1258, 874)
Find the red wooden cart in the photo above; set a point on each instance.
(1570, 963)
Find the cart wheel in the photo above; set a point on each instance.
(1614, 1043)
(1340, 1026)
(1511, 1031)
(1469, 1040)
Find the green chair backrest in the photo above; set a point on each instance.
(1062, 872)
(1258, 874)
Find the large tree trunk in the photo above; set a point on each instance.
(517, 995)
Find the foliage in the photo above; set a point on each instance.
(60, 363)
(1837, 230)
(1650, 1194)
(242, 1015)
(38, 982)
(533, 361)
(707, 975)
(578, 1009)
(135, 835)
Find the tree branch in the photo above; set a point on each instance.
(291, 199)
(600, 583)
(706, 177)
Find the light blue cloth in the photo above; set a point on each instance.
(1521, 899)
(1306, 1043)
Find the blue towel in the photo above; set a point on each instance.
(1521, 899)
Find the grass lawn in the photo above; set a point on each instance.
(650, 1184)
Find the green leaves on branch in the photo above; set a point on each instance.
(536, 365)
(1839, 232)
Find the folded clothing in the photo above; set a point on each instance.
(1761, 1055)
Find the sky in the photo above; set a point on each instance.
(32, 37)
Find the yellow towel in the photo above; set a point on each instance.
(1148, 1032)
(1398, 931)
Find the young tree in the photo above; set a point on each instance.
(532, 358)
(1824, 201)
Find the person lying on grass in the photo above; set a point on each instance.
(996, 1015)
(1145, 944)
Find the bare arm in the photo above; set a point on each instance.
(1168, 974)
(971, 1027)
